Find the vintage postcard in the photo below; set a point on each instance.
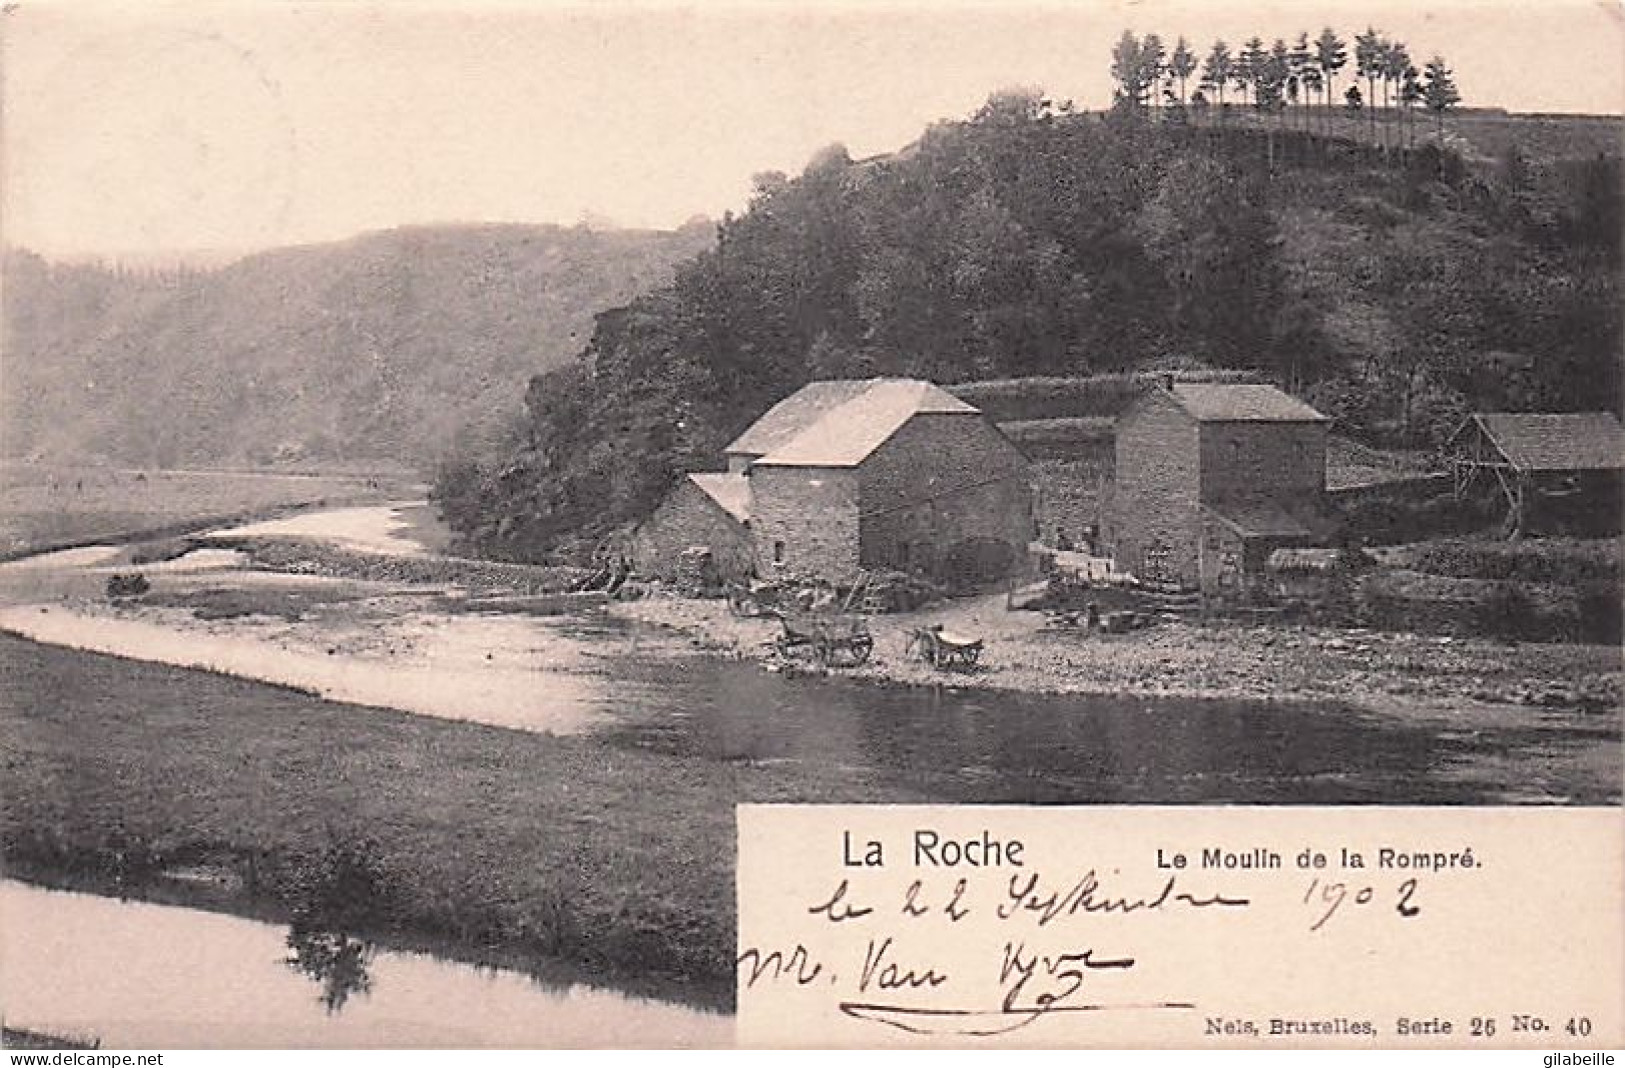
(781, 524)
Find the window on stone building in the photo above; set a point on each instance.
(778, 552)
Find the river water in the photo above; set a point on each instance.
(141, 976)
(643, 688)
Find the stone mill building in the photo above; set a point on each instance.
(844, 476)
(1211, 478)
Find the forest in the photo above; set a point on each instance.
(1396, 278)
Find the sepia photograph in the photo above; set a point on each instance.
(462, 463)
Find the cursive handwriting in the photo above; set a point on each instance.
(838, 909)
(1332, 894)
(1019, 972)
(887, 975)
(913, 906)
(1065, 968)
(1028, 894)
(799, 965)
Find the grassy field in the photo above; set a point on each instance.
(487, 844)
(48, 507)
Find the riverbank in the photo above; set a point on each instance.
(1417, 676)
(106, 972)
(492, 845)
(48, 508)
(599, 835)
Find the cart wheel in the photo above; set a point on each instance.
(861, 648)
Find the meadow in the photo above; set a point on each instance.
(45, 507)
(489, 845)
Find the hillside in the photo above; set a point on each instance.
(1395, 290)
(386, 347)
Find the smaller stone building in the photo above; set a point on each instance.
(710, 509)
(848, 476)
(1210, 479)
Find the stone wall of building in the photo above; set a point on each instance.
(947, 496)
(686, 518)
(804, 521)
(1224, 558)
(1070, 501)
(1282, 461)
(1155, 529)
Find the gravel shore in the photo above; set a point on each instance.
(1382, 672)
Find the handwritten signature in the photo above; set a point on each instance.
(1035, 985)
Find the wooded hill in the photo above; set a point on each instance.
(384, 348)
(1395, 291)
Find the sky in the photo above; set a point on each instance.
(223, 125)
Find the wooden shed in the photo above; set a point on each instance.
(1546, 456)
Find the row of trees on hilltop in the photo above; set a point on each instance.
(1286, 80)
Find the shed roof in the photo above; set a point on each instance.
(1234, 402)
(839, 423)
(731, 492)
(1260, 518)
(1556, 441)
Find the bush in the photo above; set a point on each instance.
(1512, 611)
(1392, 520)
(127, 585)
(1600, 614)
(1507, 613)
(344, 888)
(1530, 560)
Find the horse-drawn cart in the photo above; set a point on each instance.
(943, 648)
(835, 640)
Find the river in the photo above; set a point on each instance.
(632, 687)
(640, 687)
(131, 975)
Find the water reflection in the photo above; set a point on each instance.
(335, 960)
(139, 976)
(985, 747)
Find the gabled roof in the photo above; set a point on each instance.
(794, 414)
(1216, 402)
(731, 492)
(1556, 441)
(839, 423)
(1259, 518)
